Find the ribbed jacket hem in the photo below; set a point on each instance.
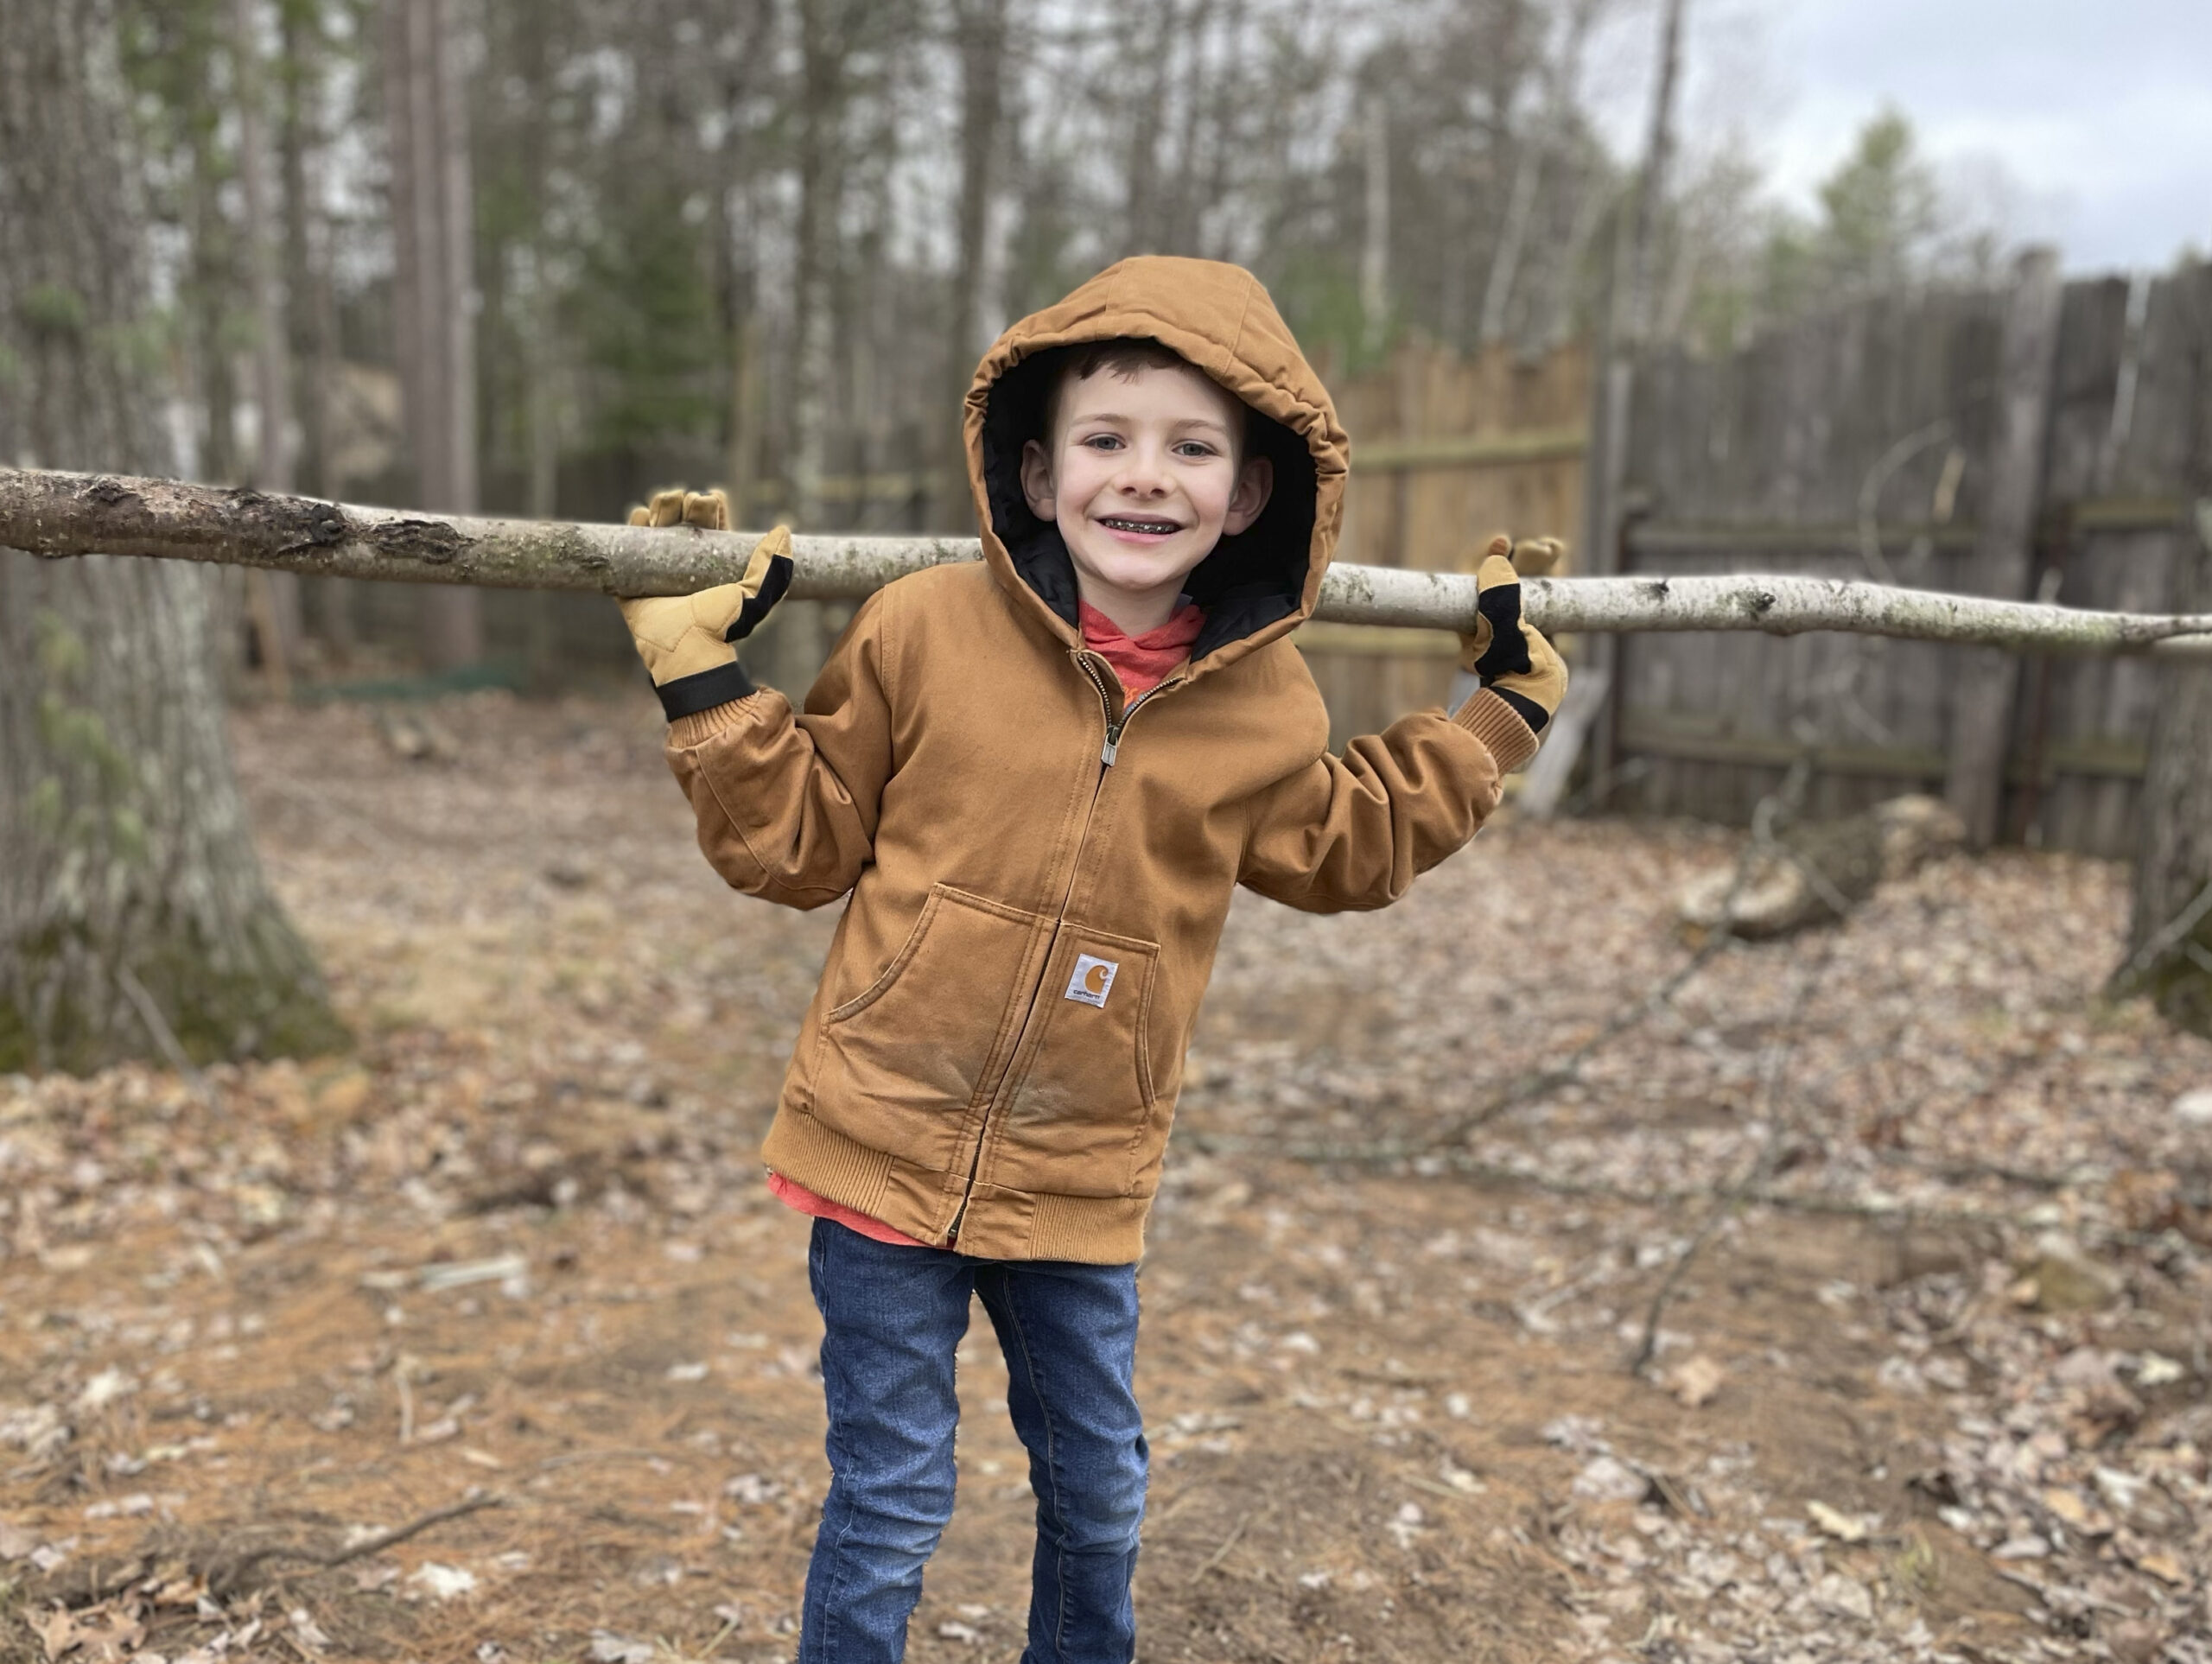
(999, 1223)
(1499, 726)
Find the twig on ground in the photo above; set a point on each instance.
(228, 1578)
(1756, 1172)
(2168, 937)
(1528, 1088)
(345, 821)
(1464, 1166)
(1602, 784)
(163, 1036)
(1214, 1559)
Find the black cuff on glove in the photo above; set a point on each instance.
(1523, 707)
(689, 694)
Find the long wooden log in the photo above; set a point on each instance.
(58, 514)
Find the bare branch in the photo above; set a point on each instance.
(61, 514)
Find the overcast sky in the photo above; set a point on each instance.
(2097, 112)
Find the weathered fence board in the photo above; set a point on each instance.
(1445, 450)
(1885, 418)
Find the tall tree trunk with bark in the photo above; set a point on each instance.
(433, 218)
(797, 641)
(980, 26)
(1561, 78)
(1628, 314)
(134, 917)
(312, 303)
(276, 599)
(1374, 252)
(307, 289)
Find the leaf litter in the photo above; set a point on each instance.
(485, 1342)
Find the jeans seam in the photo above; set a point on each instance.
(826, 1630)
(1052, 1472)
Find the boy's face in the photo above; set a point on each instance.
(1143, 475)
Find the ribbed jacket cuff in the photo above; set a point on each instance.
(1499, 726)
(702, 726)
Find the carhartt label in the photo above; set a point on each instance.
(1092, 978)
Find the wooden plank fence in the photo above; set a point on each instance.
(1870, 443)
(1445, 449)
(1862, 443)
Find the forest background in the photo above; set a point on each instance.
(399, 1283)
(762, 244)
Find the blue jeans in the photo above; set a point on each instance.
(892, 1318)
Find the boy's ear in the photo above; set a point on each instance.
(1256, 483)
(1037, 481)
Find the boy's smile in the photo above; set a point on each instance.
(1144, 476)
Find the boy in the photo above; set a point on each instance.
(1040, 778)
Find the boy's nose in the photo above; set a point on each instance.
(1143, 473)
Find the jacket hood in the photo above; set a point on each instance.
(1256, 586)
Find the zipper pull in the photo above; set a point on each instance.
(1112, 743)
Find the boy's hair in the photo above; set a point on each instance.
(1126, 357)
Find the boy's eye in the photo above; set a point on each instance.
(1194, 447)
(1102, 442)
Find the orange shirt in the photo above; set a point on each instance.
(1141, 663)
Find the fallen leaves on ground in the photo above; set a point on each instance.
(1937, 1391)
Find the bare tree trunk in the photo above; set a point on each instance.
(980, 26)
(794, 644)
(1374, 252)
(312, 305)
(134, 917)
(1627, 312)
(304, 285)
(1563, 77)
(272, 468)
(1551, 319)
(1141, 189)
(821, 191)
(433, 232)
(212, 281)
(277, 597)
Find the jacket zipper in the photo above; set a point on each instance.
(1107, 754)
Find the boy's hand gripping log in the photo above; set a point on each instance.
(687, 641)
(1508, 655)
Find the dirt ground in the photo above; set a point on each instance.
(1935, 1387)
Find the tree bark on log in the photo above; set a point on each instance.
(134, 917)
(63, 514)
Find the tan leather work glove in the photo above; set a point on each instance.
(685, 640)
(1509, 658)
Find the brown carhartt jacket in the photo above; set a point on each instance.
(1038, 868)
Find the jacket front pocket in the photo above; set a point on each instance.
(1082, 1092)
(903, 1061)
